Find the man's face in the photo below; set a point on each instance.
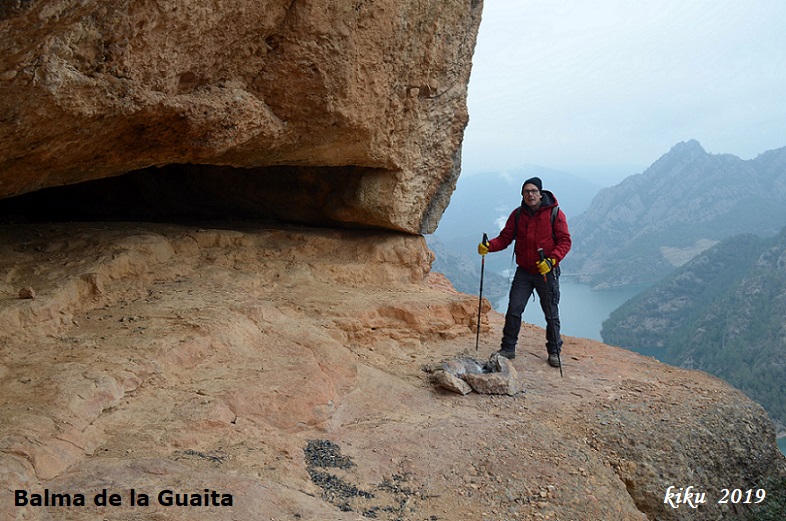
(532, 195)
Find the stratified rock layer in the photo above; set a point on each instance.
(286, 367)
(348, 112)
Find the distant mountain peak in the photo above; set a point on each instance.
(688, 197)
(687, 146)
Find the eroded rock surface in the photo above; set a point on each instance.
(347, 112)
(284, 367)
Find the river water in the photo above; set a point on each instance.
(582, 312)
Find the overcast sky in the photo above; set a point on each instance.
(603, 88)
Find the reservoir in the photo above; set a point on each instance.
(582, 312)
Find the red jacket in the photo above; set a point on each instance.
(535, 231)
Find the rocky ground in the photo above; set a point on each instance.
(282, 370)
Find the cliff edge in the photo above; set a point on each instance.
(278, 373)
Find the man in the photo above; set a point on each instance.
(537, 225)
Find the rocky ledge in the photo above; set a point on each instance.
(228, 372)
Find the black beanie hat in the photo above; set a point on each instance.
(533, 181)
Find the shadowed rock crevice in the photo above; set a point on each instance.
(310, 195)
(11, 8)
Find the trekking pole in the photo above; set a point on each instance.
(480, 293)
(549, 317)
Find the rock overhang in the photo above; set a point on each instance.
(362, 105)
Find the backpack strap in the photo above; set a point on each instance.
(554, 212)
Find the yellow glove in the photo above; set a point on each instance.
(546, 265)
(483, 249)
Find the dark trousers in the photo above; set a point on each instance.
(524, 283)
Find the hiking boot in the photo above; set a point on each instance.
(554, 360)
(510, 355)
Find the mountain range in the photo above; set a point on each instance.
(640, 230)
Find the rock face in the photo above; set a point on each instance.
(348, 112)
(281, 369)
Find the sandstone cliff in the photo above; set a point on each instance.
(341, 112)
(284, 367)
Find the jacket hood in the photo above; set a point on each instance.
(548, 199)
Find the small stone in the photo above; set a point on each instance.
(452, 382)
(27, 292)
(494, 383)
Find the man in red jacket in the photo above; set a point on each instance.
(537, 225)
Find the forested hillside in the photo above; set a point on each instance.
(724, 313)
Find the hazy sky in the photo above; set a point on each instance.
(604, 88)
